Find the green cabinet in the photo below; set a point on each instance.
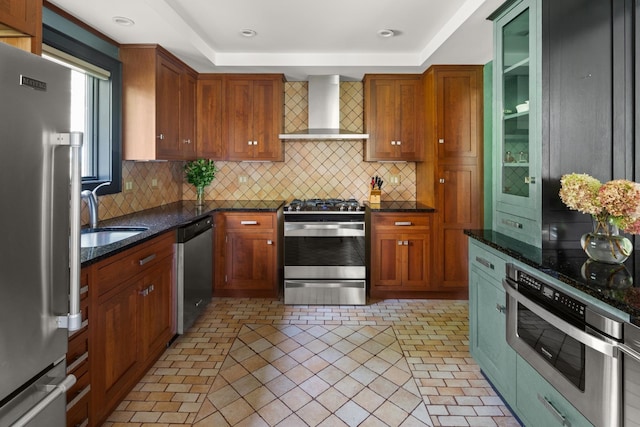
(517, 121)
(539, 404)
(487, 319)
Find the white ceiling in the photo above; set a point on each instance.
(301, 37)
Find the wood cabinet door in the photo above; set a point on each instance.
(459, 203)
(239, 118)
(114, 344)
(168, 143)
(380, 119)
(21, 15)
(409, 133)
(155, 309)
(188, 116)
(416, 261)
(267, 119)
(209, 118)
(387, 260)
(250, 260)
(458, 112)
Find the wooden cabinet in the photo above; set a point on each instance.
(394, 117)
(209, 122)
(21, 24)
(400, 254)
(132, 319)
(452, 181)
(158, 105)
(247, 254)
(253, 117)
(79, 363)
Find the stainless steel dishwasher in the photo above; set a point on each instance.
(194, 271)
(631, 375)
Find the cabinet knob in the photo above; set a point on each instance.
(186, 141)
(269, 242)
(441, 180)
(406, 243)
(398, 142)
(441, 141)
(249, 143)
(393, 143)
(255, 142)
(161, 136)
(399, 242)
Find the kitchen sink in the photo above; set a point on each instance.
(93, 237)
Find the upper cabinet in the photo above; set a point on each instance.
(253, 117)
(394, 117)
(517, 126)
(21, 24)
(159, 102)
(209, 117)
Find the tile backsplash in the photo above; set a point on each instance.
(310, 169)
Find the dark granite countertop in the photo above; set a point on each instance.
(616, 285)
(166, 218)
(399, 206)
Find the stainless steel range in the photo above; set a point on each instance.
(324, 252)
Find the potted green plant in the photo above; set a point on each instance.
(200, 172)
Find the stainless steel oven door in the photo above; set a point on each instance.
(324, 250)
(583, 365)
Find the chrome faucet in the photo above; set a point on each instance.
(92, 202)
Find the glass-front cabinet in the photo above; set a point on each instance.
(517, 131)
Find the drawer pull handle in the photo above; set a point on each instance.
(485, 262)
(145, 260)
(84, 290)
(78, 361)
(557, 414)
(248, 222)
(511, 223)
(403, 223)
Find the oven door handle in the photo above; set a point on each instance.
(579, 335)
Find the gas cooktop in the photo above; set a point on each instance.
(324, 205)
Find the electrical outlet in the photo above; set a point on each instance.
(128, 185)
(394, 179)
(242, 179)
(154, 182)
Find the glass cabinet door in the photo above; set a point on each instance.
(515, 106)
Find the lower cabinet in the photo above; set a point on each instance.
(132, 319)
(246, 254)
(400, 254)
(78, 363)
(528, 394)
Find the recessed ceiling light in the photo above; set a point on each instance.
(386, 33)
(248, 33)
(124, 21)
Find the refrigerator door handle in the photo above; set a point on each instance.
(53, 392)
(73, 321)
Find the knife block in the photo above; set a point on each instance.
(374, 197)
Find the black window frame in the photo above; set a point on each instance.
(109, 156)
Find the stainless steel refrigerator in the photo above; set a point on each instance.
(39, 238)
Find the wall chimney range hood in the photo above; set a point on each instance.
(324, 112)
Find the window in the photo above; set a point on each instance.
(96, 107)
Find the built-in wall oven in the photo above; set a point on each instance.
(572, 344)
(324, 252)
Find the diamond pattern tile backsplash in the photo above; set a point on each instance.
(311, 168)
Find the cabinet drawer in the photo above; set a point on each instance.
(401, 221)
(121, 267)
(248, 221)
(486, 260)
(78, 408)
(78, 347)
(80, 387)
(519, 228)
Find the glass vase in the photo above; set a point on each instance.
(605, 244)
(199, 196)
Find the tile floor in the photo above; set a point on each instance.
(258, 362)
